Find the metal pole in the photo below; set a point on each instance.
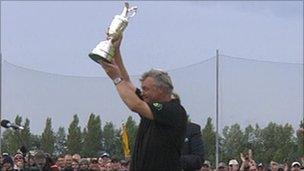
(0, 79)
(217, 111)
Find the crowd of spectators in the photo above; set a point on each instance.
(192, 159)
(41, 161)
(247, 163)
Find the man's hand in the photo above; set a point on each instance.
(116, 42)
(242, 157)
(111, 69)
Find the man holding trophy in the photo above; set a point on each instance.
(163, 121)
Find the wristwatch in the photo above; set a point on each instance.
(117, 80)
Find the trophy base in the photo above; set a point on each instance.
(98, 58)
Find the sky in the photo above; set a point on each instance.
(56, 36)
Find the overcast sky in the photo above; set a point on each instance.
(56, 37)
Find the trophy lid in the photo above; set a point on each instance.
(128, 12)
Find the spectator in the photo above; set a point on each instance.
(68, 160)
(222, 167)
(104, 159)
(94, 166)
(286, 166)
(247, 161)
(83, 164)
(233, 165)
(43, 162)
(261, 167)
(60, 162)
(124, 165)
(253, 168)
(274, 166)
(76, 157)
(295, 166)
(75, 164)
(115, 165)
(7, 163)
(18, 162)
(281, 167)
(206, 166)
(30, 160)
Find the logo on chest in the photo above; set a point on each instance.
(158, 106)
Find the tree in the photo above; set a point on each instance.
(35, 142)
(278, 141)
(92, 139)
(209, 140)
(84, 137)
(15, 139)
(111, 140)
(256, 142)
(232, 142)
(74, 137)
(48, 138)
(300, 139)
(9, 142)
(60, 142)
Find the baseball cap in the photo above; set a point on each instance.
(233, 162)
(105, 155)
(207, 163)
(295, 163)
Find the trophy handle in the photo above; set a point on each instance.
(133, 11)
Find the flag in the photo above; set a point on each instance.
(125, 142)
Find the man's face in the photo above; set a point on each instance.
(83, 166)
(94, 166)
(222, 169)
(252, 168)
(150, 92)
(7, 166)
(18, 158)
(205, 168)
(75, 165)
(60, 162)
(274, 167)
(233, 167)
(295, 168)
(260, 168)
(68, 160)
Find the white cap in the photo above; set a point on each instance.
(233, 162)
(295, 163)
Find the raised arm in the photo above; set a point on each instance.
(126, 91)
(118, 60)
(125, 87)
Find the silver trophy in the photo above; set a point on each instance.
(105, 51)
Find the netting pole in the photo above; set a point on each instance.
(0, 78)
(217, 111)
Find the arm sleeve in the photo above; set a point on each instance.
(166, 113)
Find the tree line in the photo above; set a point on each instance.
(273, 142)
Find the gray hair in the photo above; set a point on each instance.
(162, 79)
